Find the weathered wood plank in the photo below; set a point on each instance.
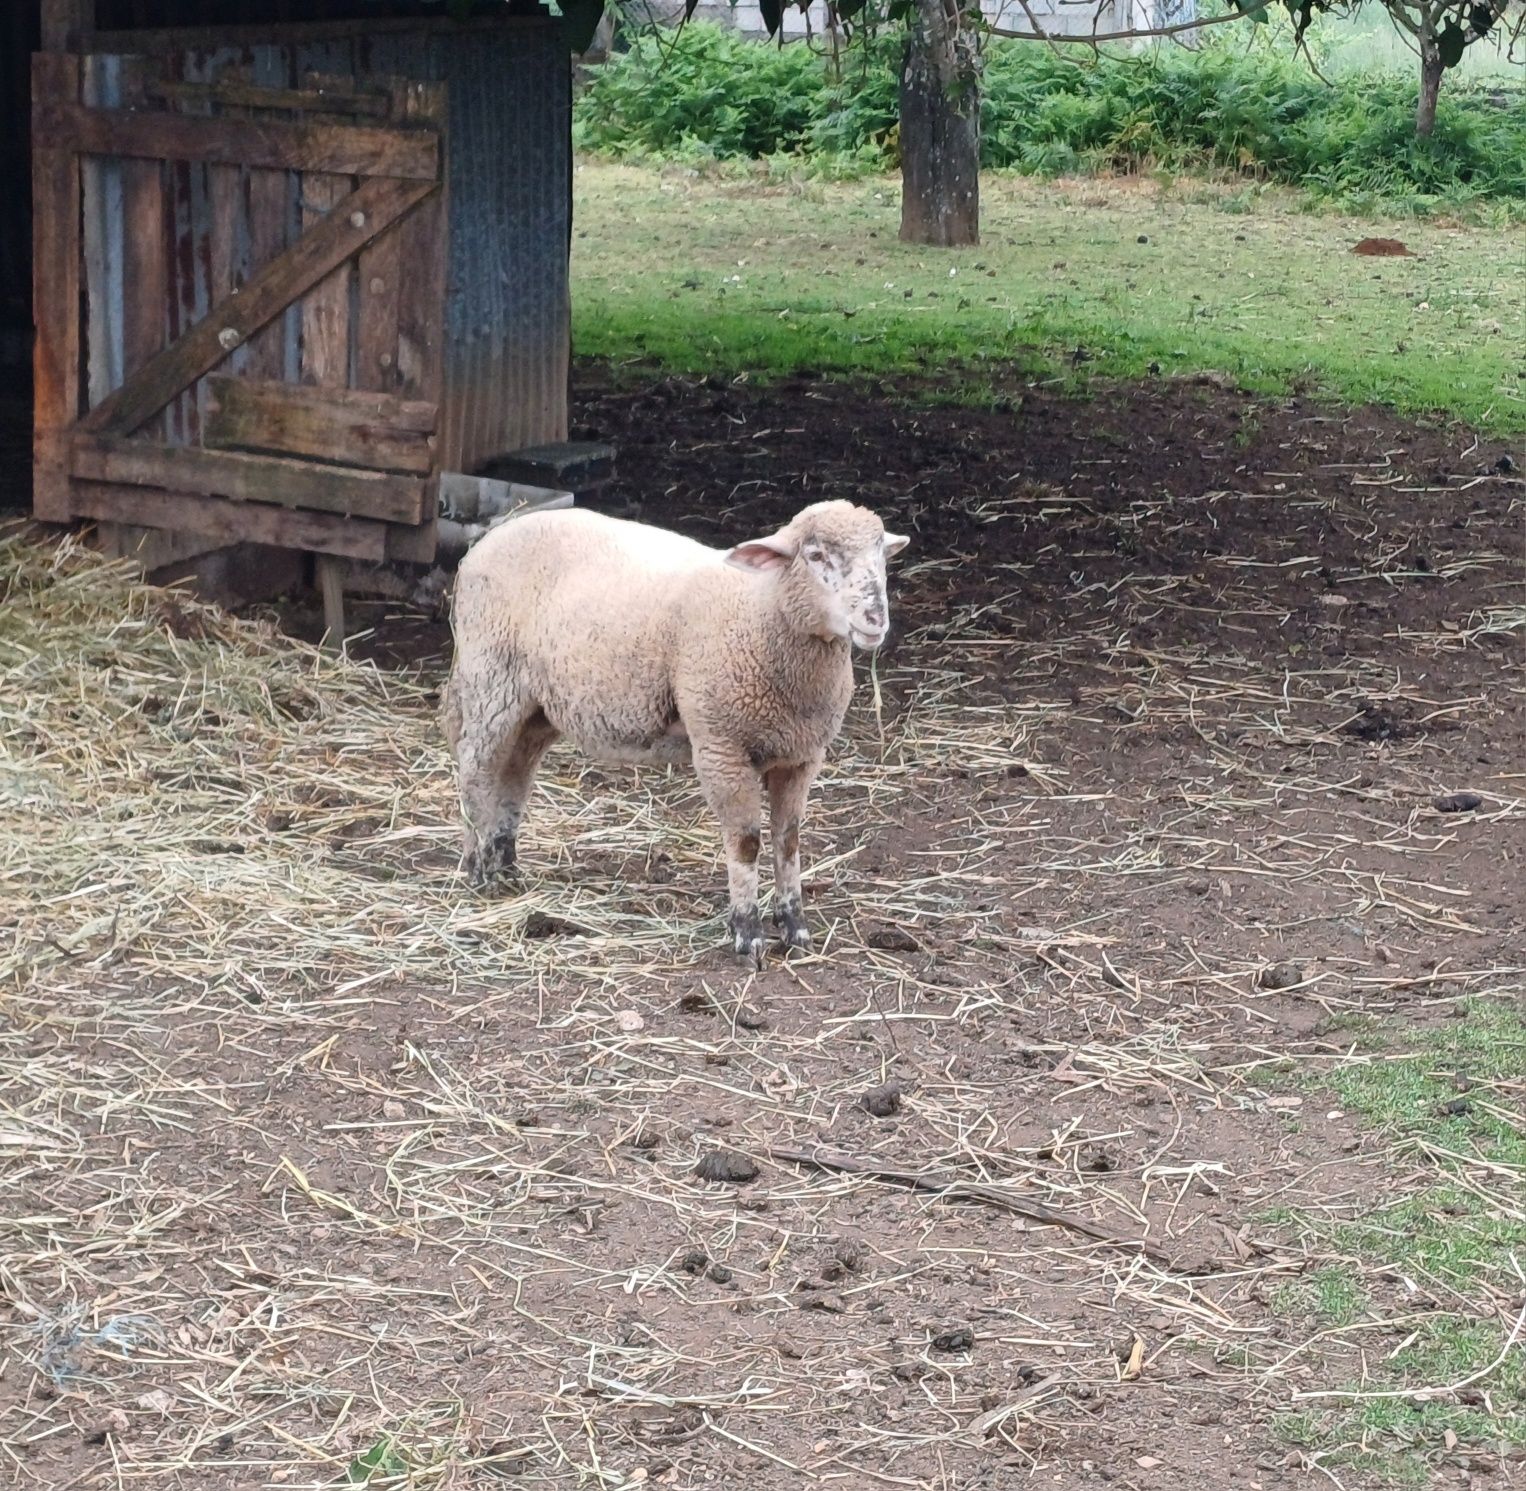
(150, 548)
(178, 38)
(346, 149)
(326, 307)
(423, 250)
(378, 279)
(249, 478)
(413, 545)
(144, 250)
(55, 295)
(374, 430)
(231, 522)
(367, 212)
(371, 102)
(270, 214)
(101, 213)
(67, 25)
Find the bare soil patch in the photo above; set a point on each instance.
(355, 1164)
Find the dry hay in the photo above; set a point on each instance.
(333, 1169)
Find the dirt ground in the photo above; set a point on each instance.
(1149, 804)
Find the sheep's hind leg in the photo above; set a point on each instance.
(734, 792)
(787, 788)
(495, 784)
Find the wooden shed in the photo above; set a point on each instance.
(294, 266)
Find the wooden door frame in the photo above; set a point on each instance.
(83, 466)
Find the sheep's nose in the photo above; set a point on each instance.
(874, 616)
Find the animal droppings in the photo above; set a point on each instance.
(1280, 976)
(961, 1338)
(727, 1166)
(882, 1102)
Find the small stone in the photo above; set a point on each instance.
(1459, 802)
(1146, 1462)
(393, 1109)
(727, 1166)
(629, 1021)
(829, 1304)
(750, 1017)
(694, 1262)
(718, 1273)
(1143, 238)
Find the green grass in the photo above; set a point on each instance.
(1447, 1098)
(742, 274)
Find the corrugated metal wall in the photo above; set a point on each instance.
(508, 325)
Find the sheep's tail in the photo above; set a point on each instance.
(450, 711)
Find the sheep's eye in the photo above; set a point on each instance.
(815, 555)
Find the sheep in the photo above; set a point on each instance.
(640, 645)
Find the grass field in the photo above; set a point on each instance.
(1074, 279)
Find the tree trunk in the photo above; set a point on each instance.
(1430, 85)
(940, 129)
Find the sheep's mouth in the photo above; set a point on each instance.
(869, 641)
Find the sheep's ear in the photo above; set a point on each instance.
(894, 543)
(762, 554)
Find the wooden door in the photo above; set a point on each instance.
(239, 295)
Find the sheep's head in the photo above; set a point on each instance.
(831, 559)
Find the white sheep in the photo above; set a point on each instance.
(643, 646)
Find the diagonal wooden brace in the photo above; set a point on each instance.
(351, 224)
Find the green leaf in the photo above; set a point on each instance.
(380, 1459)
(1451, 44)
(773, 15)
(580, 19)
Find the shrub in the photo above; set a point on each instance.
(706, 91)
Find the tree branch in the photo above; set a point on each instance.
(1092, 38)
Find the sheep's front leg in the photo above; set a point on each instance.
(787, 788)
(735, 794)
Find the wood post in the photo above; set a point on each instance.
(55, 297)
(331, 583)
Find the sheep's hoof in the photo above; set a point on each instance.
(791, 924)
(747, 938)
(793, 932)
(493, 867)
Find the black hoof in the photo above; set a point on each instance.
(747, 937)
(793, 932)
(493, 866)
